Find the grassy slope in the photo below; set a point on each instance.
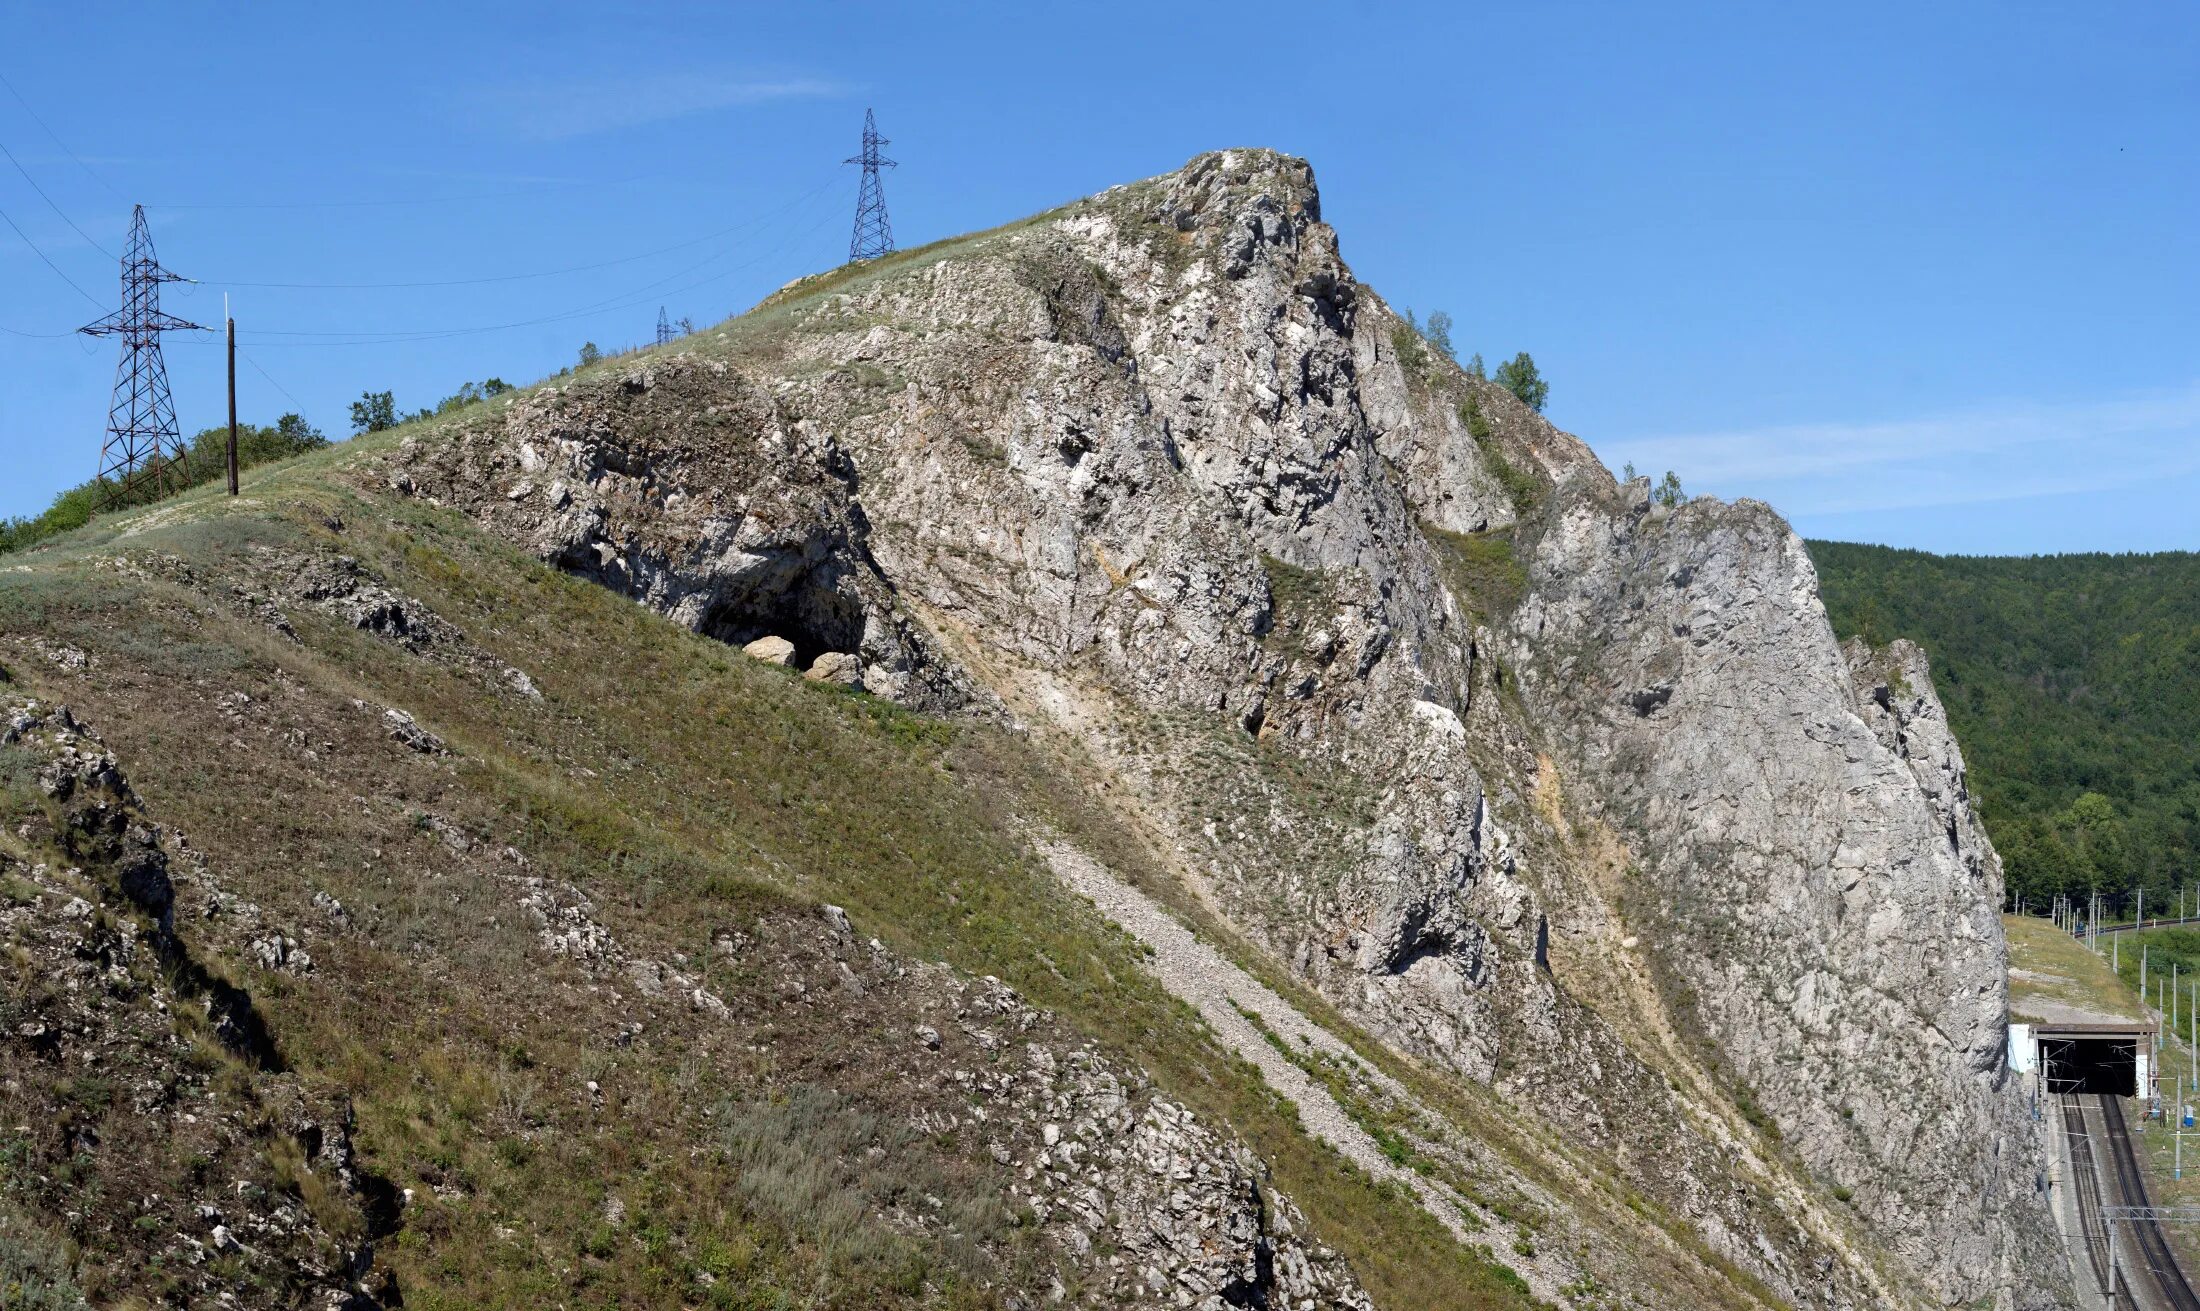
(2049, 968)
(687, 790)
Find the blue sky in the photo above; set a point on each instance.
(1919, 274)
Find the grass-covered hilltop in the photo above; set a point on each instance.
(1087, 764)
(2074, 683)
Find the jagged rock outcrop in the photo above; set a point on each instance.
(1823, 915)
(1410, 688)
(1895, 697)
(703, 496)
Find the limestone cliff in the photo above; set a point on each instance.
(1560, 795)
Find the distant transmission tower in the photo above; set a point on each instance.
(142, 448)
(664, 327)
(874, 235)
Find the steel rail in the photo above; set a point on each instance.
(2085, 1176)
(2152, 1247)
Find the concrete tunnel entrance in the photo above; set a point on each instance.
(2090, 1063)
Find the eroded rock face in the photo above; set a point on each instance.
(1894, 691)
(1399, 673)
(698, 493)
(1807, 854)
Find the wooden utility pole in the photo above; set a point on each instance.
(232, 400)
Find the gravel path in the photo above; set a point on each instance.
(1204, 979)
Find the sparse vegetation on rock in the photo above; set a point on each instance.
(1137, 554)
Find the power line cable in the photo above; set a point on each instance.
(384, 202)
(621, 300)
(18, 332)
(270, 379)
(377, 203)
(56, 138)
(49, 263)
(523, 277)
(49, 201)
(430, 334)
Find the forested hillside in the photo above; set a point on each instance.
(2073, 682)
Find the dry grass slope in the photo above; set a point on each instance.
(555, 1153)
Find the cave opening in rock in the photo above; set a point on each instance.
(813, 610)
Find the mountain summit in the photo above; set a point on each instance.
(1232, 810)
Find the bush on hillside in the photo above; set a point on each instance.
(1439, 335)
(1519, 376)
(34, 1271)
(373, 412)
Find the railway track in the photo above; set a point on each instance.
(2105, 1170)
(2151, 922)
(2150, 1250)
(2085, 1176)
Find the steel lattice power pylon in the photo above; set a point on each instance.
(143, 448)
(664, 327)
(874, 235)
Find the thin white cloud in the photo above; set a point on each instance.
(1991, 453)
(553, 109)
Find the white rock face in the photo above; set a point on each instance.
(1448, 721)
(1819, 883)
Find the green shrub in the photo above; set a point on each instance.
(1522, 488)
(1439, 336)
(34, 1271)
(1470, 414)
(1519, 376)
(1480, 568)
(1411, 351)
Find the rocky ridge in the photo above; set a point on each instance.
(1408, 688)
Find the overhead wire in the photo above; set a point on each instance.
(50, 202)
(49, 262)
(375, 203)
(270, 378)
(383, 202)
(18, 332)
(523, 277)
(365, 337)
(620, 300)
(56, 139)
(49, 336)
